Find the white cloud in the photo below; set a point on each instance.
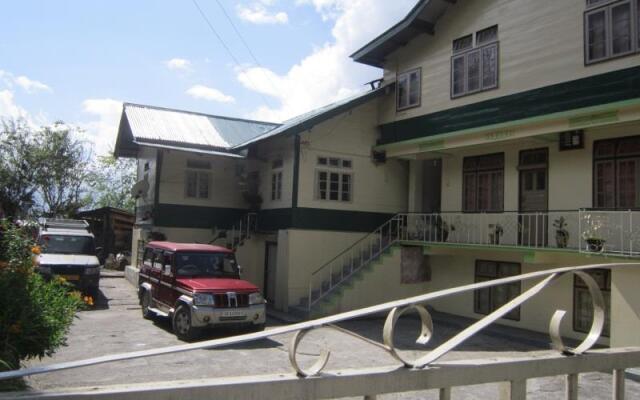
(178, 64)
(31, 86)
(27, 84)
(210, 94)
(102, 130)
(9, 109)
(258, 13)
(327, 74)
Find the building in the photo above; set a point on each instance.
(503, 139)
(112, 228)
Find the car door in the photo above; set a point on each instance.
(167, 279)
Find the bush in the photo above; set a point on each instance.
(35, 314)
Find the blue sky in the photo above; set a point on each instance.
(77, 60)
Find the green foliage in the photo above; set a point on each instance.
(110, 182)
(35, 314)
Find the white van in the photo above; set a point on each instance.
(68, 250)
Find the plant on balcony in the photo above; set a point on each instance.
(591, 233)
(562, 234)
(495, 231)
(443, 228)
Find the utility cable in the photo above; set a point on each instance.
(224, 44)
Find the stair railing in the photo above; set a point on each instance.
(242, 230)
(337, 270)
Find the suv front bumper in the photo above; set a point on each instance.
(202, 316)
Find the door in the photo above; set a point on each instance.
(270, 264)
(533, 220)
(431, 186)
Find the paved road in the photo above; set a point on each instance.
(116, 326)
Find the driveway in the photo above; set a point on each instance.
(116, 326)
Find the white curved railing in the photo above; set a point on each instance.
(395, 309)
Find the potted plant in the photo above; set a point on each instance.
(562, 234)
(495, 231)
(591, 234)
(443, 229)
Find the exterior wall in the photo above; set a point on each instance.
(146, 155)
(541, 43)
(376, 188)
(381, 284)
(625, 301)
(570, 172)
(224, 191)
(449, 271)
(301, 252)
(279, 148)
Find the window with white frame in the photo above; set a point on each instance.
(612, 29)
(334, 179)
(475, 68)
(276, 179)
(197, 179)
(408, 89)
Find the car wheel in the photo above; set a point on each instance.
(145, 303)
(182, 326)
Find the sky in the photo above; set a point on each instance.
(79, 60)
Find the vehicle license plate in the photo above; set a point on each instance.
(233, 313)
(71, 277)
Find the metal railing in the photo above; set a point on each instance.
(242, 230)
(309, 382)
(615, 232)
(340, 268)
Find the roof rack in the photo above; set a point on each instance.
(59, 223)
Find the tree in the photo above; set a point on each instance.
(64, 163)
(110, 183)
(20, 165)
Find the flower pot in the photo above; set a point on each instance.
(562, 239)
(595, 245)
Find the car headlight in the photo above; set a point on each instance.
(45, 270)
(203, 299)
(92, 270)
(256, 298)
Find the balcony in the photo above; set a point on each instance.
(613, 233)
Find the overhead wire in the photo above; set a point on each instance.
(228, 50)
(246, 45)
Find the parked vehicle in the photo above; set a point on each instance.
(68, 250)
(197, 286)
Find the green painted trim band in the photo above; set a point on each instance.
(196, 217)
(601, 92)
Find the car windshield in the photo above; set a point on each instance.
(66, 244)
(216, 265)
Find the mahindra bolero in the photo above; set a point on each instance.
(197, 286)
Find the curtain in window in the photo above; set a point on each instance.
(490, 67)
(605, 184)
(414, 88)
(473, 71)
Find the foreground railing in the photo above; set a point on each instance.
(612, 232)
(374, 381)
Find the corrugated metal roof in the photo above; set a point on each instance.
(192, 150)
(157, 124)
(307, 120)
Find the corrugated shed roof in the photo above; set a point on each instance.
(155, 124)
(307, 120)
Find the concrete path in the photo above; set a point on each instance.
(116, 326)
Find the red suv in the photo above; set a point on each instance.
(197, 286)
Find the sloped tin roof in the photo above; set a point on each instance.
(155, 124)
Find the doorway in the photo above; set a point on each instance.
(431, 185)
(270, 265)
(534, 195)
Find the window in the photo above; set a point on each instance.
(583, 305)
(276, 180)
(474, 69)
(276, 185)
(616, 173)
(408, 91)
(490, 299)
(334, 183)
(197, 179)
(483, 183)
(609, 29)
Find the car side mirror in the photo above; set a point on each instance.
(239, 270)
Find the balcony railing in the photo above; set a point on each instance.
(611, 232)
